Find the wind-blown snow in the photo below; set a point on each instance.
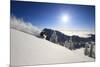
(30, 50)
(26, 27)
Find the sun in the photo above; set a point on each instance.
(65, 18)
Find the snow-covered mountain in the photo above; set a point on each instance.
(29, 50)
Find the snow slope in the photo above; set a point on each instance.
(30, 50)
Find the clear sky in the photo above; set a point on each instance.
(47, 15)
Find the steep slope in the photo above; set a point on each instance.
(30, 50)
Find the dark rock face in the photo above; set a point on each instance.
(62, 38)
(71, 42)
(47, 32)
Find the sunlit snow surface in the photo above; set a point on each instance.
(27, 49)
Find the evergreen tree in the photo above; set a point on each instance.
(53, 38)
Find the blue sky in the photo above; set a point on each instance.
(47, 15)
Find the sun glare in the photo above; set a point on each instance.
(65, 18)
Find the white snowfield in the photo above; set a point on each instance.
(30, 50)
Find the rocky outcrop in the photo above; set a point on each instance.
(71, 42)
